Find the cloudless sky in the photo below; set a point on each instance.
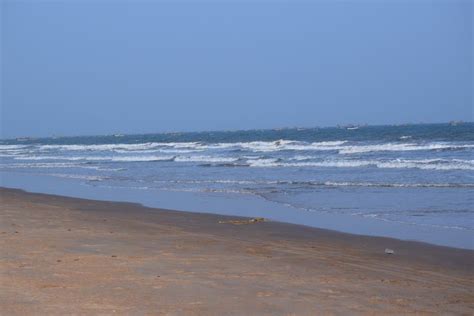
(99, 67)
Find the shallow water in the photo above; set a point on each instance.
(417, 175)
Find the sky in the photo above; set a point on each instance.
(100, 67)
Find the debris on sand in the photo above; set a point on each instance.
(243, 222)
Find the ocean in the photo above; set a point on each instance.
(420, 175)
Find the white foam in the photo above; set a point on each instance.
(99, 158)
(426, 164)
(400, 147)
(12, 147)
(211, 159)
(265, 162)
(300, 158)
(319, 183)
(221, 181)
(13, 152)
(78, 176)
(341, 146)
(125, 147)
(334, 163)
(67, 158)
(158, 150)
(49, 165)
(268, 146)
(280, 145)
(142, 158)
(399, 185)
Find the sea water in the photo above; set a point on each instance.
(417, 175)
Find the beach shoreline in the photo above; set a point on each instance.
(237, 205)
(70, 255)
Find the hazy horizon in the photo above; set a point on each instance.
(237, 130)
(84, 68)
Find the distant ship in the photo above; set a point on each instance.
(455, 123)
(352, 128)
(23, 139)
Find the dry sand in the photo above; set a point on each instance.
(64, 255)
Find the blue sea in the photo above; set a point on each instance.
(413, 177)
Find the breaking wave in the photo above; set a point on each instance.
(343, 147)
(311, 183)
(100, 158)
(427, 164)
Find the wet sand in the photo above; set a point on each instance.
(63, 255)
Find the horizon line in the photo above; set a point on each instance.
(235, 130)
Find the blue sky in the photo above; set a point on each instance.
(100, 67)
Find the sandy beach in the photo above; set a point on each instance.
(63, 255)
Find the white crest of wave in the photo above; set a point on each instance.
(142, 158)
(426, 164)
(158, 150)
(124, 147)
(399, 185)
(265, 162)
(257, 146)
(278, 145)
(292, 145)
(99, 158)
(12, 147)
(300, 158)
(49, 165)
(79, 176)
(212, 159)
(341, 146)
(399, 147)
